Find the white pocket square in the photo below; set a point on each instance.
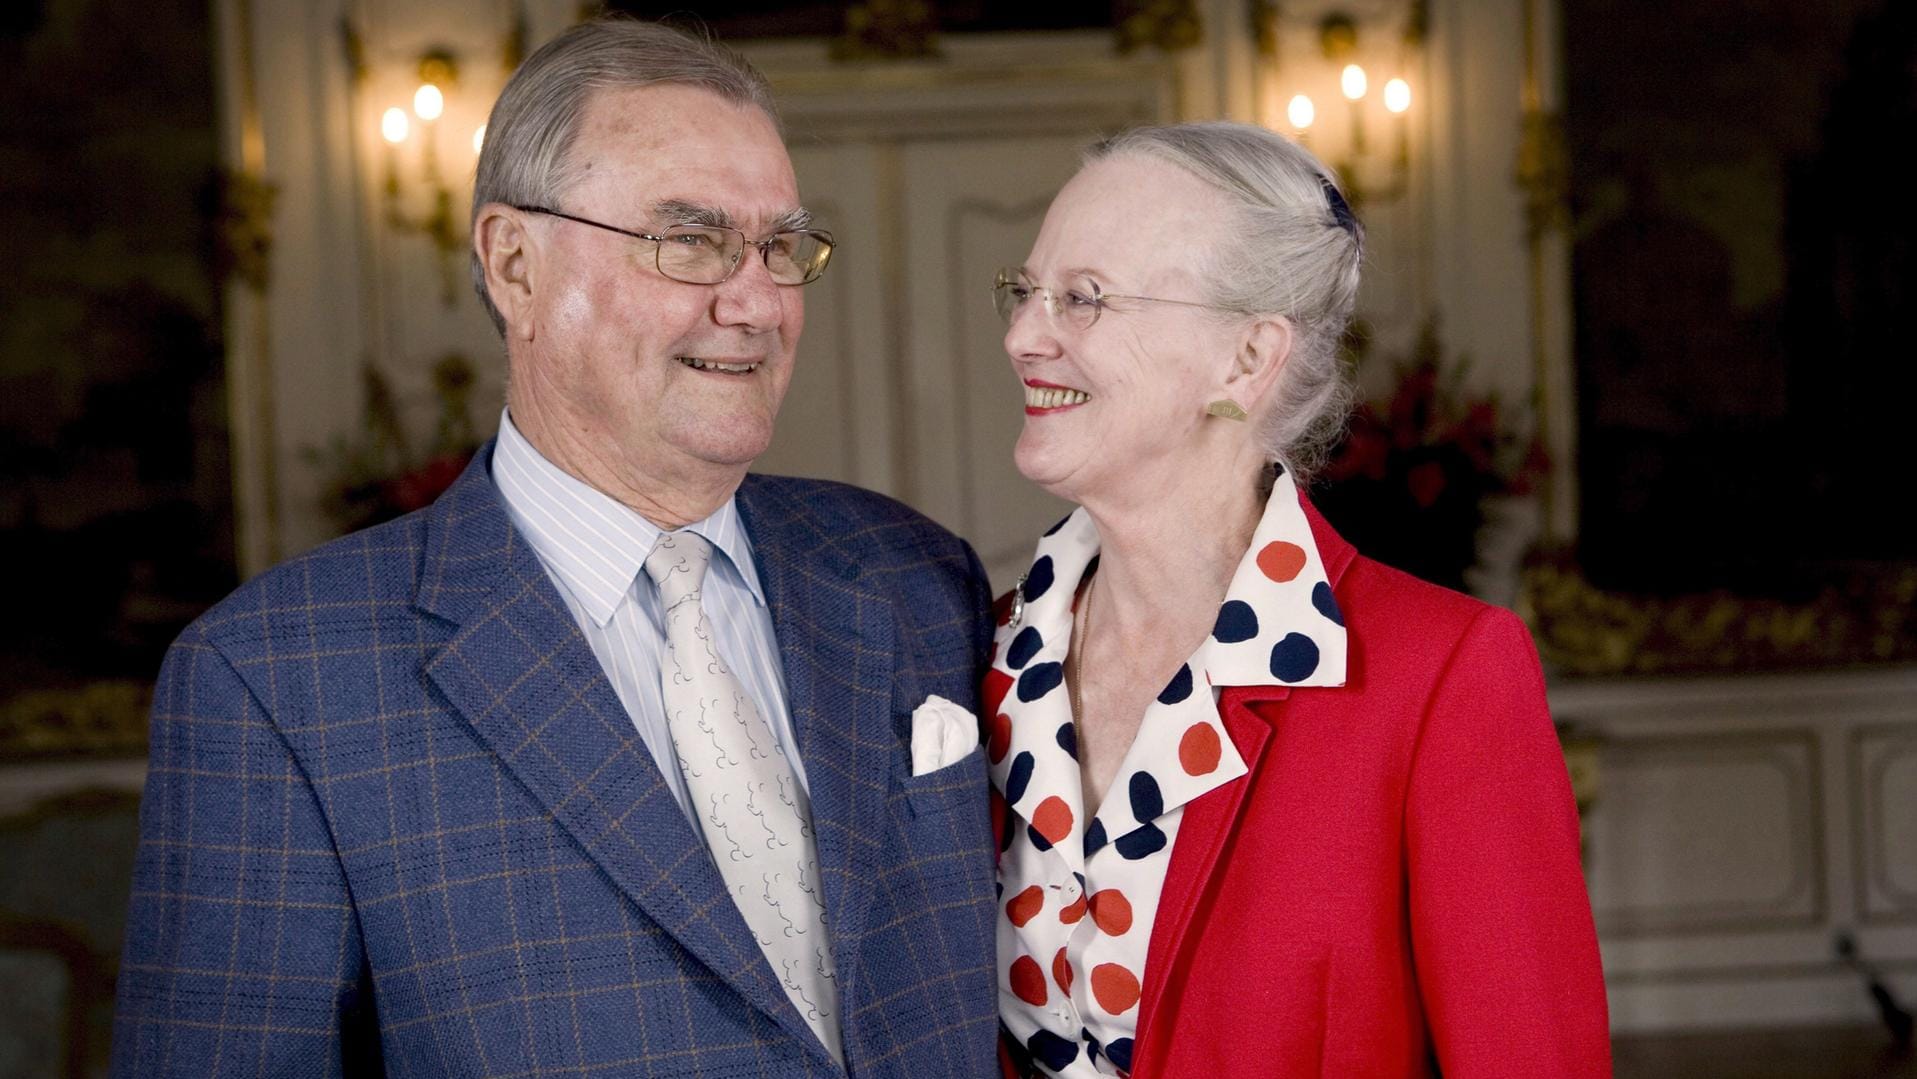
(942, 734)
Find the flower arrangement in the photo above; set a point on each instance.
(1408, 483)
(379, 476)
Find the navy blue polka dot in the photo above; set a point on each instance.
(1321, 599)
(1236, 622)
(1094, 837)
(1120, 1052)
(1178, 688)
(1294, 658)
(1038, 838)
(1068, 738)
(1143, 842)
(1051, 1050)
(1038, 680)
(1147, 801)
(1091, 1043)
(1024, 647)
(1039, 580)
(999, 888)
(1020, 775)
(1059, 525)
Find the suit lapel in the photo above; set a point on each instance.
(836, 643)
(521, 674)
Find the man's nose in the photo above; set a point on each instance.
(749, 298)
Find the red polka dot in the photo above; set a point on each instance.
(1062, 971)
(998, 736)
(1112, 912)
(1281, 561)
(1053, 819)
(1199, 750)
(1115, 987)
(1028, 982)
(1070, 915)
(1025, 905)
(997, 685)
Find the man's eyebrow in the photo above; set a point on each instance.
(800, 218)
(680, 212)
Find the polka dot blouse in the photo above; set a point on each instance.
(1079, 892)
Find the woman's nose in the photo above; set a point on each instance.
(1032, 333)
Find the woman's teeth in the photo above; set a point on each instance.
(728, 368)
(1052, 397)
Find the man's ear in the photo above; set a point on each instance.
(508, 252)
(1263, 350)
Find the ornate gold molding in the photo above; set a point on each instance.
(1583, 630)
(245, 228)
(887, 30)
(100, 718)
(1165, 25)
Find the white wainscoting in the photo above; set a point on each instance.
(1740, 825)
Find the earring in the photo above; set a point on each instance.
(1226, 408)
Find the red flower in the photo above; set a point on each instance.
(423, 484)
(1427, 483)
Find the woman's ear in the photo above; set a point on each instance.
(508, 253)
(1263, 351)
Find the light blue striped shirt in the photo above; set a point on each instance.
(594, 548)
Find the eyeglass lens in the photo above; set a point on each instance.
(706, 254)
(1078, 307)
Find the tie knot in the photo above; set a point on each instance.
(678, 565)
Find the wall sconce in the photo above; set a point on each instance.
(1345, 137)
(411, 171)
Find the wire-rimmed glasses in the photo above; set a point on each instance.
(709, 254)
(1077, 307)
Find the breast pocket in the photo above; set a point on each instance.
(959, 784)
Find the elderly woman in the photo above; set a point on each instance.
(1267, 808)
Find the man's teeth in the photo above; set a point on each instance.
(710, 365)
(1049, 397)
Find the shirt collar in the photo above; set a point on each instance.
(593, 543)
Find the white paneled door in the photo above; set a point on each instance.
(930, 185)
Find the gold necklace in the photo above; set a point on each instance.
(1078, 649)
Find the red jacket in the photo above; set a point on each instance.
(1395, 884)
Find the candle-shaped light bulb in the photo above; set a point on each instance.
(479, 138)
(428, 102)
(393, 125)
(1301, 112)
(1353, 82)
(1397, 96)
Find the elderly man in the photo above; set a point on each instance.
(616, 761)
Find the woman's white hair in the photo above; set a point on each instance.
(1291, 247)
(524, 159)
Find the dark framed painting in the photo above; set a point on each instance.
(1744, 272)
(116, 520)
(748, 19)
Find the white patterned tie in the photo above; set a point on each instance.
(757, 822)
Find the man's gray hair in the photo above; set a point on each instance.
(1291, 247)
(525, 159)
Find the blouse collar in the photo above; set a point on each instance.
(1278, 625)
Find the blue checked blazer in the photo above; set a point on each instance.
(397, 822)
